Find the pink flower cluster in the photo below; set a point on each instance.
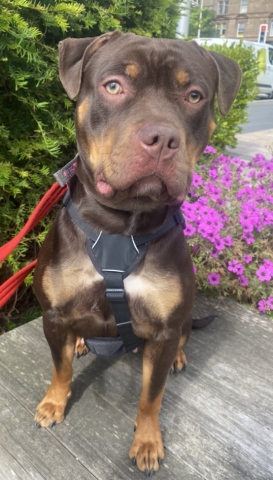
(229, 218)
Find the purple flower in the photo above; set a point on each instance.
(219, 243)
(202, 201)
(189, 230)
(227, 170)
(258, 157)
(262, 306)
(243, 280)
(213, 191)
(197, 180)
(189, 211)
(247, 258)
(268, 264)
(203, 229)
(226, 181)
(214, 278)
(209, 149)
(228, 241)
(247, 227)
(236, 267)
(194, 268)
(232, 265)
(263, 273)
(211, 236)
(239, 270)
(214, 253)
(269, 303)
(224, 217)
(267, 216)
(248, 237)
(252, 173)
(213, 174)
(268, 167)
(218, 225)
(206, 211)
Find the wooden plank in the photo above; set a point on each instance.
(240, 386)
(213, 423)
(222, 306)
(27, 452)
(191, 420)
(94, 431)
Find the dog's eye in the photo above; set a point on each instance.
(113, 88)
(194, 97)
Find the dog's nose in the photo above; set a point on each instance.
(159, 141)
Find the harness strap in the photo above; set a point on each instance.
(139, 240)
(116, 295)
(115, 257)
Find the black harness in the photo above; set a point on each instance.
(115, 257)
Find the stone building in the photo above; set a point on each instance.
(242, 18)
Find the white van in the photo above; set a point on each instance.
(264, 53)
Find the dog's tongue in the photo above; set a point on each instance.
(103, 187)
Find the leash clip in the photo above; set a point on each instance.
(64, 175)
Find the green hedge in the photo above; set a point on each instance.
(229, 126)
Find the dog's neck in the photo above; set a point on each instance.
(136, 221)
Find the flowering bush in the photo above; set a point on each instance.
(229, 219)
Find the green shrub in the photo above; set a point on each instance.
(36, 117)
(229, 126)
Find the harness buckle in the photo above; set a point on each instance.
(115, 295)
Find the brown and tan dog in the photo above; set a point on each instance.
(145, 112)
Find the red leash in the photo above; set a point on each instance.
(51, 197)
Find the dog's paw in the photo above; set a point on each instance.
(50, 411)
(80, 347)
(179, 363)
(147, 451)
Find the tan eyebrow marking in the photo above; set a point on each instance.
(132, 70)
(81, 111)
(212, 126)
(182, 77)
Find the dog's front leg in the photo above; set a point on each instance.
(62, 344)
(147, 449)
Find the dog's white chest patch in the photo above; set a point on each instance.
(160, 294)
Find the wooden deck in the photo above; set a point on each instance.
(217, 417)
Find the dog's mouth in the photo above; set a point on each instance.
(150, 186)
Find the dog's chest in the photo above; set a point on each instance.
(153, 293)
(131, 268)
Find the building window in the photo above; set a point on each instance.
(221, 29)
(271, 30)
(222, 7)
(240, 29)
(244, 5)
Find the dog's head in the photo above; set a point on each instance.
(144, 113)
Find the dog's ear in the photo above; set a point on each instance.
(229, 80)
(73, 54)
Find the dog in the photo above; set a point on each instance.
(144, 114)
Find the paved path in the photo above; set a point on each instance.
(251, 143)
